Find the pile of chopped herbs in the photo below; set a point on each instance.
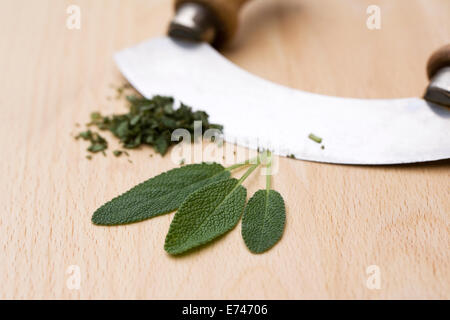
(148, 122)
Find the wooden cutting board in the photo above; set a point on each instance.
(340, 219)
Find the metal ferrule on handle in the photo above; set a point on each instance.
(213, 21)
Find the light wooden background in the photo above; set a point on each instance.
(340, 219)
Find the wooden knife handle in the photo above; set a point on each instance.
(226, 13)
(438, 60)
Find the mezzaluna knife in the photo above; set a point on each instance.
(253, 110)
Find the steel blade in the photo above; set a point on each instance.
(256, 112)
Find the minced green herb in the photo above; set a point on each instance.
(148, 122)
(98, 143)
(117, 153)
(315, 138)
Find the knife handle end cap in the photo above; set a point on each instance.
(221, 15)
(438, 60)
(438, 70)
(193, 22)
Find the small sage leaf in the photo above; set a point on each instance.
(264, 220)
(159, 195)
(205, 215)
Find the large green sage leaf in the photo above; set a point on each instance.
(159, 195)
(205, 215)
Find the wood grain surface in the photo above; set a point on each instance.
(340, 219)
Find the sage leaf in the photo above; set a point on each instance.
(205, 215)
(264, 220)
(159, 195)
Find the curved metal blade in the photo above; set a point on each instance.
(256, 112)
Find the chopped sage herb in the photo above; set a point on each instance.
(119, 92)
(315, 138)
(148, 122)
(117, 153)
(98, 143)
